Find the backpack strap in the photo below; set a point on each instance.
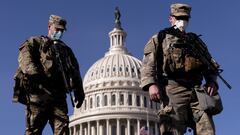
(160, 56)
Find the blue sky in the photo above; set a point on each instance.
(89, 23)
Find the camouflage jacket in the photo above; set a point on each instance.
(37, 58)
(154, 65)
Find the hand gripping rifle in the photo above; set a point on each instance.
(201, 49)
(60, 65)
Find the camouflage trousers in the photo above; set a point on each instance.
(55, 113)
(181, 110)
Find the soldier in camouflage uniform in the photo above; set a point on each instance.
(170, 72)
(39, 81)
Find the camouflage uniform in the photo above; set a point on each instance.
(166, 66)
(45, 92)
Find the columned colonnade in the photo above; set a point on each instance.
(115, 126)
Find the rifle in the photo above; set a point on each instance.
(60, 65)
(200, 48)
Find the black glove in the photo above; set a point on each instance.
(79, 97)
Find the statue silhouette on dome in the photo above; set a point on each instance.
(117, 18)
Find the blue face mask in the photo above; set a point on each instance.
(57, 35)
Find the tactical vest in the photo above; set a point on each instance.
(178, 56)
(44, 57)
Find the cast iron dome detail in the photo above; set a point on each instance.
(114, 103)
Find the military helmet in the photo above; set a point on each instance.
(179, 9)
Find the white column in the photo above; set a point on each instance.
(134, 97)
(97, 127)
(111, 41)
(80, 130)
(156, 129)
(128, 126)
(125, 98)
(85, 131)
(93, 130)
(118, 127)
(102, 100)
(115, 40)
(101, 129)
(138, 127)
(118, 99)
(107, 126)
(74, 130)
(109, 99)
(120, 39)
(88, 128)
(148, 127)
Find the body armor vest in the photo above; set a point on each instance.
(178, 56)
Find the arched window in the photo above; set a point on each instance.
(98, 101)
(138, 100)
(114, 130)
(113, 101)
(91, 104)
(85, 105)
(132, 130)
(145, 101)
(120, 69)
(121, 99)
(105, 100)
(129, 99)
(122, 130)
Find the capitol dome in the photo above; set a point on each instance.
(117, 68)
(114, 103)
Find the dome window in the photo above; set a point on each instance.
(123, 128)
(138, 70)
(113, 100)
(105, 100)
(120, 69)
(138, 100)
(129, 99)
(126, 69)
(85, 105)
(98, 101)
(133, 69)
(91, 103)
(121, 99)
(145, 102)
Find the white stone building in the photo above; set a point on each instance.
(114, 103)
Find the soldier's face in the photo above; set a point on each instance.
(52, 29)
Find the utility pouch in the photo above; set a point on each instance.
(210, 104)
(175, 59)
(192, 64)
(19, 89)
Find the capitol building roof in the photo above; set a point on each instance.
(114, 103)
